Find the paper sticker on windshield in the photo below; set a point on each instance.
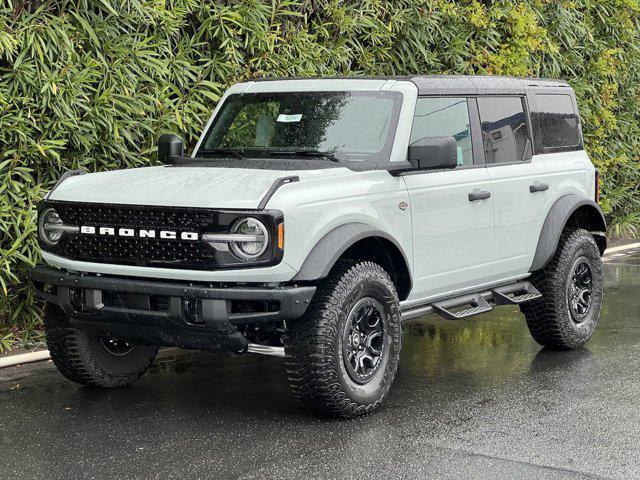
(289, 118)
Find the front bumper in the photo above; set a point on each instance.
(186, 315)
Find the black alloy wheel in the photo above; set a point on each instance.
(116, 346)
(363, 341)
(580, 289)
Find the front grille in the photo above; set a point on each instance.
(150, 252)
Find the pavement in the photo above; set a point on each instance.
(476, 399)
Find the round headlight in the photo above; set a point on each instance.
(48, 219)
(250, 250)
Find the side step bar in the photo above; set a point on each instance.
(520, 292)
(476, 303)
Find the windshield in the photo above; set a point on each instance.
(337, 126)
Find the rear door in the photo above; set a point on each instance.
(452, 233)
(520, 191)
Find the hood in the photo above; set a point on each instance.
(181, 187)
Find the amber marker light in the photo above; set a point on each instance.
(281, 236)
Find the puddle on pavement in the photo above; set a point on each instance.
(495, 347)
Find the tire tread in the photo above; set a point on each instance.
(71, 353)
(545, 316)
(310, 345)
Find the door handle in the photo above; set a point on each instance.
(479, 195)
(538, 187)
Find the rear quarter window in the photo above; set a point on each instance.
(555, 123)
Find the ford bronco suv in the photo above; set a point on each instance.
(314, 216)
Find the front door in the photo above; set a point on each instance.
(452, 210)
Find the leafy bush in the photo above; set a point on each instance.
(91, 83)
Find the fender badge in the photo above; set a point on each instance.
(403, 206)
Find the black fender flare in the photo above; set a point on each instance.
(330, 248)
(557, 218)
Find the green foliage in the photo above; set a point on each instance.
(92, 83)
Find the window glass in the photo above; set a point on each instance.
(352, 126)
(444, 117)
(504, 129)
(556, 122)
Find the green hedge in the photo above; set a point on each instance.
(92, 83)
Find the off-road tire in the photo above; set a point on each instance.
(314, 343)
(83, 358)
(549, 318)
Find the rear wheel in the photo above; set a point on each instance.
(342, 355)
(100, 361)
(572, 286)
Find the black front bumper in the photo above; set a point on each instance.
(185, 315)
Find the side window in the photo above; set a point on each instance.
(556, 125)
(444, 117)
(504, 129)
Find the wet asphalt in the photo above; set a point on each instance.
(472, 399)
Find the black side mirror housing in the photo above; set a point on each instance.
(428, 153)
(170, 148)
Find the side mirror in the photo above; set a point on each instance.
(433, 153)
(170, 146)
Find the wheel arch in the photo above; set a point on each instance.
(569, 211)
(358, 241)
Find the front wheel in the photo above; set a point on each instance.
(99, 361)
(342, 355)
(572, 287)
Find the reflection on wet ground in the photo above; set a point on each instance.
(472, 399)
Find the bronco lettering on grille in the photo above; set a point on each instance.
(140, 233)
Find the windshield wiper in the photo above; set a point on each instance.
(236, 152)
(307, 153)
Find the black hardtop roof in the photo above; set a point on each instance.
(479, 85)
(456, 84)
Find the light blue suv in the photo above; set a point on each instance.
(314, 215)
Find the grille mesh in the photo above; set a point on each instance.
(195, 255)
(137, 251)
